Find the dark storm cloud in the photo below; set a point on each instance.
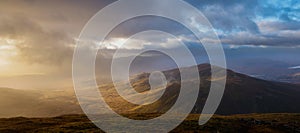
(247, 22)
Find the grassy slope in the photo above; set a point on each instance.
(234, 123)
(37, 103)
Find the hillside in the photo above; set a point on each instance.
(243, 94)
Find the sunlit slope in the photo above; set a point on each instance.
(34, 103)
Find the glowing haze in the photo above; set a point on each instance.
(37, 37)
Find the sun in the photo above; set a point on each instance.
(7, 51)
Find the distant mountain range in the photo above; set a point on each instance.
(243, 94)
(266, 69)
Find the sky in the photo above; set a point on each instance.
(37, 38)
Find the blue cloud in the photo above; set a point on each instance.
(254, 22)
(287, 10)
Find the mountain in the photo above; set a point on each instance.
(243, 94)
